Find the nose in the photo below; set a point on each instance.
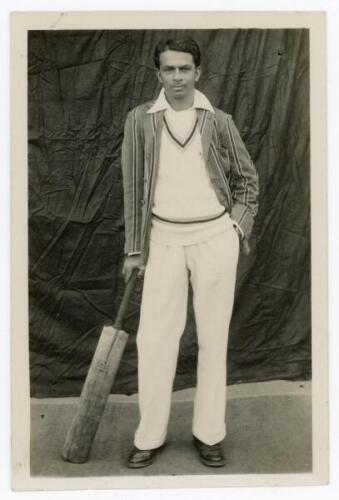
(177, 74)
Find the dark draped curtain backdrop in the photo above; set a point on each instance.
(81, 86)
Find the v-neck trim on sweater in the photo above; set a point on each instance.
(176, 138)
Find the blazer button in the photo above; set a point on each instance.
(142, 202)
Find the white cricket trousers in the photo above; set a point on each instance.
(211, 267)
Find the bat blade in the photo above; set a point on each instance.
(94, 395)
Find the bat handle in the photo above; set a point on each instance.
(125, 299)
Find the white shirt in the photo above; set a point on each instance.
(199, 101)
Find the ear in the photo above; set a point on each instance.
(159, 76)
(197, 73)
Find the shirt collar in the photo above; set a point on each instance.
(200, 101)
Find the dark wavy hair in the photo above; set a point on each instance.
(180, 45)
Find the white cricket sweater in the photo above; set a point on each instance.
(183, 189)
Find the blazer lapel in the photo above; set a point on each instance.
(158, 130)
(152, 145)
(206, 120)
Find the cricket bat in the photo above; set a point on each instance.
(97, 386)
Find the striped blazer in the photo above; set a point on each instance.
(228, 163)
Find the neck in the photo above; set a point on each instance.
(181, 104)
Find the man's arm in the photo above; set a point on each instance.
(244, 178)
(132, 161)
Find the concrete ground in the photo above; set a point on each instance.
(269, 430)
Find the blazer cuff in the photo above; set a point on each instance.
(241, 215)
(130, 249)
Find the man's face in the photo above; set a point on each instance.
(178, 74)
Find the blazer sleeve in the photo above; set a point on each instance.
(132, 162)
(244, 179)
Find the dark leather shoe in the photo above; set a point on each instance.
(210, 455)
(141, 458)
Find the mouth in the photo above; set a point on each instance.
(178, 87)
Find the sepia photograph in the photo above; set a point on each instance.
(169, 325)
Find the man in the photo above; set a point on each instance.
(190, 196)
